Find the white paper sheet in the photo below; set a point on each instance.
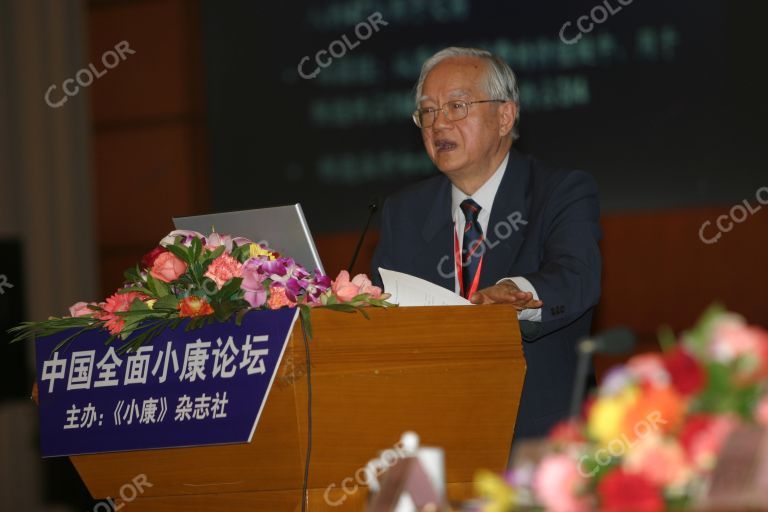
(408, 290)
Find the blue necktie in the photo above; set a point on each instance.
(471, 253)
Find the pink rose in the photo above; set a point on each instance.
(224, 268)
(558, 484)
(345, 290)
(167, 267)
(80, 309)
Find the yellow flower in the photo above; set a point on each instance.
(606, 416)
(256, 250)
(151, 303)
(499, 496)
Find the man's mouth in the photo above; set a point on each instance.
(445, 145)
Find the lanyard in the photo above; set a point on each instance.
(460, 268)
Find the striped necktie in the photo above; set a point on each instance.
(471, 253)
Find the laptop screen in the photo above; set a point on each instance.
(283, 228)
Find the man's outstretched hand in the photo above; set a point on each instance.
(506, 293)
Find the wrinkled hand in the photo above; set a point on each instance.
(506, 293)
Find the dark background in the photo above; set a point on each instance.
(658, 102)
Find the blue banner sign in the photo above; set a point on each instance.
(200, 387)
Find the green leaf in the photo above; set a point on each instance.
(222, 311)
(196, 270)
(132, 275)
(209, 288)
(157, 287)
(180, 252)
(138, 305)
(196, 250)
(240, 315)
(139, 289)
(306, 321)
(242, 252)
(213, 255)
(230, 288)
(167, 302)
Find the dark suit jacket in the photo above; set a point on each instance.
(555, 248)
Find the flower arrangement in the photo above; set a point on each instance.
(650, 437)
(202, 279)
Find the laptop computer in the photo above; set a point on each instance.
(282, 228)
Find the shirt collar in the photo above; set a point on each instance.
(484, 195)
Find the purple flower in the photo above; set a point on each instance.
(316, 286)
(283, 273)
(286, 273)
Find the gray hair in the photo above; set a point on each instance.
(500, 80)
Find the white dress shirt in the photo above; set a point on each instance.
(484, 196)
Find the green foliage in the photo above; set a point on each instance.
(159, 308)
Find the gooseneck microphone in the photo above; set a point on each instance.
(373, 206)
(619, 340)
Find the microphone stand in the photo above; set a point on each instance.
(372, 207)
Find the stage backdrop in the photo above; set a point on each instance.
(654, 100)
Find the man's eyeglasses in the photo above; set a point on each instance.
(453, 110)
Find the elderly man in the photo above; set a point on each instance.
(497, 226)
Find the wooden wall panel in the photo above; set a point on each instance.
(163, 78)
(146, 181)
(657, 269)
(149, 151)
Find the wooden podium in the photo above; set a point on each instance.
(452, 374)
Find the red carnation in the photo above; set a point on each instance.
(149, 259)
(621, 491)
(194, 306)
(688, 377)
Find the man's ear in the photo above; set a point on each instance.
(507, 114)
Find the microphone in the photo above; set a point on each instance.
(373, 206)
(618, 340)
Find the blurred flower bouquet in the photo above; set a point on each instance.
(202, 279)
(650, 437)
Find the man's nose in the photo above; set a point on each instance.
(441, 120)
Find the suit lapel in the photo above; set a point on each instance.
(504, 235)
(435, 260)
